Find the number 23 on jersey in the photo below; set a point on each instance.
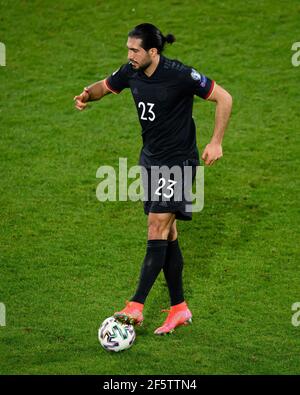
(147, 112)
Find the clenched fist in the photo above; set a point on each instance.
(212, 153)
(82, 99)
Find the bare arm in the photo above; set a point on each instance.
(93, 92)
(213, 150)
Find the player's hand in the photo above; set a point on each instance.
(81, 100)
(211, 153)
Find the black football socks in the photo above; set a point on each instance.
(173, 272)
(153, 263)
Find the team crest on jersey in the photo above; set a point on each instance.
(195, 75)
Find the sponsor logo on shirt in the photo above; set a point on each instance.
(203, 81)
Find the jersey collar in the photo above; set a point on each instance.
(159, 66)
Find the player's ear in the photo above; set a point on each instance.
(153, 51)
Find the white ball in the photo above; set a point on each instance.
(115, 336)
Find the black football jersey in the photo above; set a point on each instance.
(164, 103)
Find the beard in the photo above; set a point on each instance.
(142, 66)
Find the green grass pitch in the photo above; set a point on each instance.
(68, 261)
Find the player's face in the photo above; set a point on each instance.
(139, 58)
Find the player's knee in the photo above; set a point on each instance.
(158, 230)
(172, 234)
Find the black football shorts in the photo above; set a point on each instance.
(168, 189)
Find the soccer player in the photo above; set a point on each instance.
(163, 91)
